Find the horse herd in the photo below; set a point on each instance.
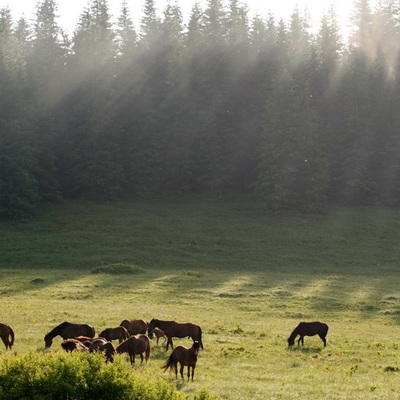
(134, 338)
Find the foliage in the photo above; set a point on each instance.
(75, 376)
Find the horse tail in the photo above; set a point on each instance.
(199, 338)
(148, 352)
(171, 363)
(11, 333)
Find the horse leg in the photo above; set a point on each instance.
(323, 339)
(141, 358)
(301, 339)
(193, 367)
(169, 342)
(181, 370)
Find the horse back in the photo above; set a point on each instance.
(312, 328)
(135, 326)
(180, 330)
(74, 330)
(140, 342)
(184, 355)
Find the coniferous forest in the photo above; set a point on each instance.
(223, 102)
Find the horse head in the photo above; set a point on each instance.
(48, 341)
(290, 342)
(154, 323)
(196, 347)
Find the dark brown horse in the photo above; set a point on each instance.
(175, 329)
(139, 344)
(7, 335)
(119, 333)
(104, 346)
(67, 331)
(70, 345)
(134, 326)
(185, 357)
(308, 329)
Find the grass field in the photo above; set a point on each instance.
(246, 276)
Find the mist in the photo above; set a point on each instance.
(223, 102)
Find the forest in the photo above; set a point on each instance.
(223, 102)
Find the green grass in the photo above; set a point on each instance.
(245, 275)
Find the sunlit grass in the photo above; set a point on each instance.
(245, 276)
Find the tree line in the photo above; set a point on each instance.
(223, 102)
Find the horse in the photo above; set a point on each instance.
(134, 326)
(67, 330)
(102, 345)
(96, 344)
(7, 335)
(85, 339)
(139, 344)
(308, 329)
(175, 329)
(159, 333)
(185, 357)
(70, 345)
(119, 333)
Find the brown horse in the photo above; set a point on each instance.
(70, 345)
(84, 339)
(308, 329)
(139, 344)
(159, 333)
(175, 329)
(7, 335)
(185, 357)
(104, 346)
(134, 326)
(67, 331)
(119, 333)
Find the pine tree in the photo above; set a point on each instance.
(19, 189)
(293, 169)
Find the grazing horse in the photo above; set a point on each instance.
(159, 333)
(104, 346)
(175, 329)
(7, 335)
(70, 345)
(134, 326)
(139, 344)
(185, 357)
(96, 344)
(119, 333)
(67, 331)
(308, 329)
(84, 339)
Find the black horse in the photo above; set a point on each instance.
(176, 329)
(67, 330)
(308, 329)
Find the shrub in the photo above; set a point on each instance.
(76, 376)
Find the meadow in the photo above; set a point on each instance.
(245, 275)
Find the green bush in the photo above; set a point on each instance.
(76, 376)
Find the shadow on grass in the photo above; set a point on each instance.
(305, 350)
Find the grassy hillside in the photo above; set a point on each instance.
(245, 275)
